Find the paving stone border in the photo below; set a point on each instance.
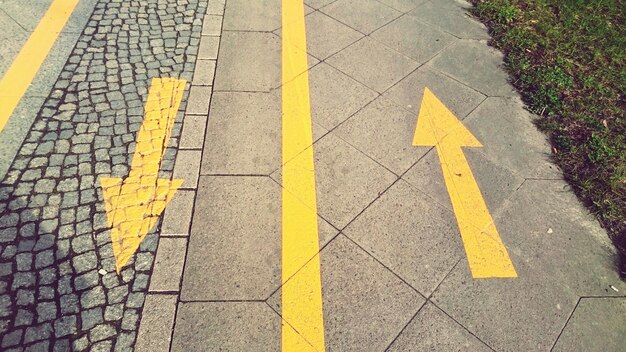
(157, 324)
(58, 285)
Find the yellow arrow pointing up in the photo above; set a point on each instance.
(133, 205)
(438, 127)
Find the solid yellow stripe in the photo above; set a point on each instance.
(302, 295)
(486, 254)
(18, 78)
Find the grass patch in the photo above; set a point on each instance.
(568, 60)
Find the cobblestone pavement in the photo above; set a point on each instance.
(59, 288)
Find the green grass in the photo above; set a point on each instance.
(568, 60)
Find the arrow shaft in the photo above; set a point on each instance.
(486, 254)
(161, 107)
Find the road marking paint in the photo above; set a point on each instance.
(19, 76)
(437, 126)
(302, 294)
(134, 204)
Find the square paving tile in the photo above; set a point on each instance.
(453, 17)
(326, 36)
(226, 326)
(477, 65)
(597, 325)
(403, 5)
(521, 314)
(243, 134)
(204, 73)
(347, 180)
(545, 225)
(249, 61)
(235, 243)
(373, 64)
(408, 93)
(496, 183)
(168, 264)
(363, 15)
(384, 131)
(157, 321)
(335, 96)
(317, 4)
(510, 138)
(187, 167)
(413, 38)
(258, 15)
(412, 236)
(365, 305)
(432, 330)
(192, 136)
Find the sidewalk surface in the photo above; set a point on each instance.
(442, 224)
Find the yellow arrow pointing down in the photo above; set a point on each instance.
(133, 205)
(438, 127)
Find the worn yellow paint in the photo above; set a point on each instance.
(134, 204)
(437, 126)
(301, 293)
(26, 64)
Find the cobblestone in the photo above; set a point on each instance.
(86, 129)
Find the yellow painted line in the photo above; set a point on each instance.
(437, 126)
(302, 293)
(134, 204)
(19, 76)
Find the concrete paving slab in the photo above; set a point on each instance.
(384, 131)
(256, 16)
(365, 16)
(216, 7)
(460, 99)
(545, 225)
(178, 214)
(168, 265)
(243, 134)
(522, 314)
(235, 248)
(187, 168)
(157, 321)
(198, 101)
(326, 36)
(412, 236)
(413, 38)
(212, 25)
(204, 73)
(510, 139)
(335, 96)
(476, 65)
(432, 330)
(373, 64)
(347, 180)
(403, 5)
(226, 326)
(249, 61)
(318, 4)
(192, 136)
(451, 16)
(209, 47)
(496, 183)
(597, 325)
(365, 305)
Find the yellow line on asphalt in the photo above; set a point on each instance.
(437, 126)
(19, 76)
(301, 293)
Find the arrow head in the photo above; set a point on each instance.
(133, 207)
(436, 124)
